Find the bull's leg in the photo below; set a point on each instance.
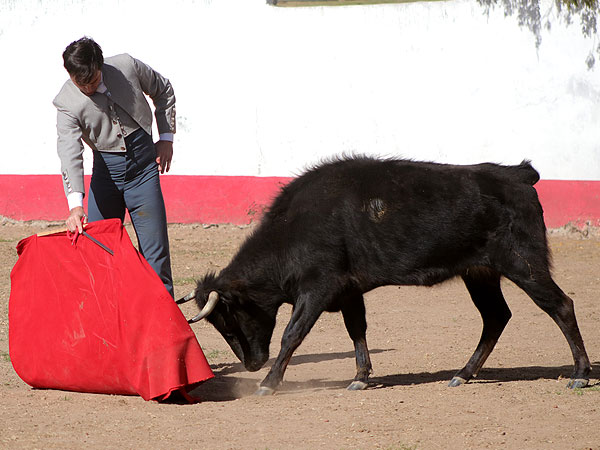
(304, 315)
(484, 287)
(353, 311)
(550, 298)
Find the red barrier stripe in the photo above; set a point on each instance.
(565, 201)
(242, 199)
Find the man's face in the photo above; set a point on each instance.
(90, 87)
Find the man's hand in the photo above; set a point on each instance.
(74, 221)
(164, 154)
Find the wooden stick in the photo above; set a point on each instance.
(47, 233)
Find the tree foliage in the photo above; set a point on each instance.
(536, 15)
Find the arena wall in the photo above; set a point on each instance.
(264, 92)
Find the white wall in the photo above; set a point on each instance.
(265, 90)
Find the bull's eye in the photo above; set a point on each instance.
(226, 323)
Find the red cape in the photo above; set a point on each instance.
(81, 319)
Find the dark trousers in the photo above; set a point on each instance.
(130, 180)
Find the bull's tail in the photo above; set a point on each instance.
(525, 172)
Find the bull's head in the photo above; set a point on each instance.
(244, 325)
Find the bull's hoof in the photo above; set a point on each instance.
(263, 390)
(577, 383)
(456, 381)
(357, 386)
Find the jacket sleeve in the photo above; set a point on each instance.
(70, 152)
(159, 89)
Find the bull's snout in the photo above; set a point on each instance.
(253, 367)
(254, 364)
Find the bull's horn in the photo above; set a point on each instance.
(213, 299)
(187, 298)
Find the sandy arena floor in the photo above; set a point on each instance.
(419, 337)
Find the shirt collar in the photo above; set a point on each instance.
(101, 87)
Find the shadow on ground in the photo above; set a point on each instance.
(230, 383)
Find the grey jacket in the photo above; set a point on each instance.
(93, 119)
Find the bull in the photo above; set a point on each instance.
(356, 223)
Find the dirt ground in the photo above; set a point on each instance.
(419, 337)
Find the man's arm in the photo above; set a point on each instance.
(70, 152)
(159, 89)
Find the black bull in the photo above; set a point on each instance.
(351, 225)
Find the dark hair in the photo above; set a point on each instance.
(82, 59)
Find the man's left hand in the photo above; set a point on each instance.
(164, 154)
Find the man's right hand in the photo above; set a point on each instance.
(75, 220)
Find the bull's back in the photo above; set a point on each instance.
(375, 188)
(405, 222)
